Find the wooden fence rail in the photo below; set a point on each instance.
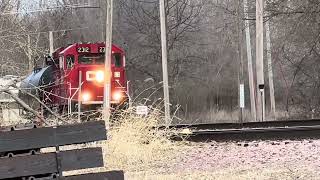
(50, 165)
(51, 137)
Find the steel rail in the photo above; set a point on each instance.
(264, 124)
(251, 134)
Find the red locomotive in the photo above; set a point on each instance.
(73, 79)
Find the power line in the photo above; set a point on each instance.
(43, 32)
(48, 9)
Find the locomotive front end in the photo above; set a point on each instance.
(84, 75)
(92, 87)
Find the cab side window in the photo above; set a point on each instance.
(70, 61)
(117, 59)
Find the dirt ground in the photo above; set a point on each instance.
(252, 160)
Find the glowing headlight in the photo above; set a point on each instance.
(85, 96)
(116, 96)
(99, 76)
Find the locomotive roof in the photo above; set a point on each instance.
(75, 45)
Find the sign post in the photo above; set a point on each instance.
(242, 98)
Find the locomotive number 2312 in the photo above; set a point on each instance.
(83, 49)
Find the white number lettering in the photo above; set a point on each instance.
(83, 49)
(102, 49)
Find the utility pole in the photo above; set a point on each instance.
(51, 42)
(29, 54)
(107, 67)
(259, 61)
(270, 72)
(240, 75)
(249, 56)
(164, 62)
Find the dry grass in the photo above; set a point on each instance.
(134, 144)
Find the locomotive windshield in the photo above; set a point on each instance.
(91, 59)
(99, 59)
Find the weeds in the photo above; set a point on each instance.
(135, 144)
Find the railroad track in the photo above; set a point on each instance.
(265, 124)
(273, 130)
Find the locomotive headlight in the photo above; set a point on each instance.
(99, 76)
(117, 96)
(86, 96)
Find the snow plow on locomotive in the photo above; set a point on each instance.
(73, 79)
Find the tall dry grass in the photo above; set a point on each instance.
(135, 145)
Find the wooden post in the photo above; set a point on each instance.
(270, 72)
(250, 68)
(29, 53)
(259, 59)
(240, 75)
(164, 62)
(107, 67)
(51, 42)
